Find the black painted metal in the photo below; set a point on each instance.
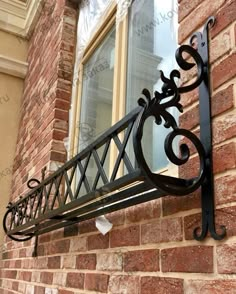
(68, 196)
(207, 195)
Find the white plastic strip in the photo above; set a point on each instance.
(103, 224)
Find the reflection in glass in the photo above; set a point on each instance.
(151, 47)
(96, 101)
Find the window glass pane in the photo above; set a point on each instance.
(96, 101)
(151, 48)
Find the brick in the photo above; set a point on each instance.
(68, 261)
(191, 259)
(61, 246)
(75, 280)
(46, 278)
(26, 276)
(171, 230)
(57, 156)
(225, 190)
(224, 17)
(172, 204)
(222, 101)
(10, 274)
(125, 237)
(213, 286)
(86, 261)
(186, 8)
(63, 95)
(29, 289)
(190, 169)
(143, 211)
(197, 18)
(96, 282)
(190, 118)
(35, 276)
(141, 260)
(123, 284)
(87, 226)
(224, 216)
(59, 278)
(15, 286)
(226, 259)
(224, 128)
(117, 218)
(220, 46)
(78, 244)
(63, 291)
(149, 285)
(98, 241)
(224, 71)
(54, 262)
(224, 158)
(44, 238)
(71, 231)
(61, 104)
(109, 262)
(39, 290)
(164, 230)
(189, 98)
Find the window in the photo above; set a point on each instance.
(116, 59)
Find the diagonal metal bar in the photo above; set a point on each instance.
(100, 167)
(57, 193)
(47, 197)
(83, 178)
(122, 154)
(68, 184)
(104, 155)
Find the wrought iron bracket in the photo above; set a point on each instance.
(59, 200)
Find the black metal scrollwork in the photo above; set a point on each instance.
(18, 212)
(67, 196)
(159, 109)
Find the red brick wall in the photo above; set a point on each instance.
(47, 94)
(150, 249)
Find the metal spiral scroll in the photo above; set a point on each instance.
(157, 107)
(16, 209)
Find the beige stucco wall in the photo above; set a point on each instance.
(11, 89)
(13, 46)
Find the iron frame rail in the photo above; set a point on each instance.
(53, 204)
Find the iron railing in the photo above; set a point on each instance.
(70, 195)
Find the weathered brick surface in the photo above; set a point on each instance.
(44, 100)
(224, 16)
(126, 237)
(211, 286)
(86, 261)
(150, 285)
(123, 284)
(224, 71)
(226, 259)
(141, 260)
(46, 278)
(142, 212)
(96, 282)
(174, 204)
(192, 259)
(98, 241)
(75, 280)
(109, 262)
(166, 230)
(224, 216)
